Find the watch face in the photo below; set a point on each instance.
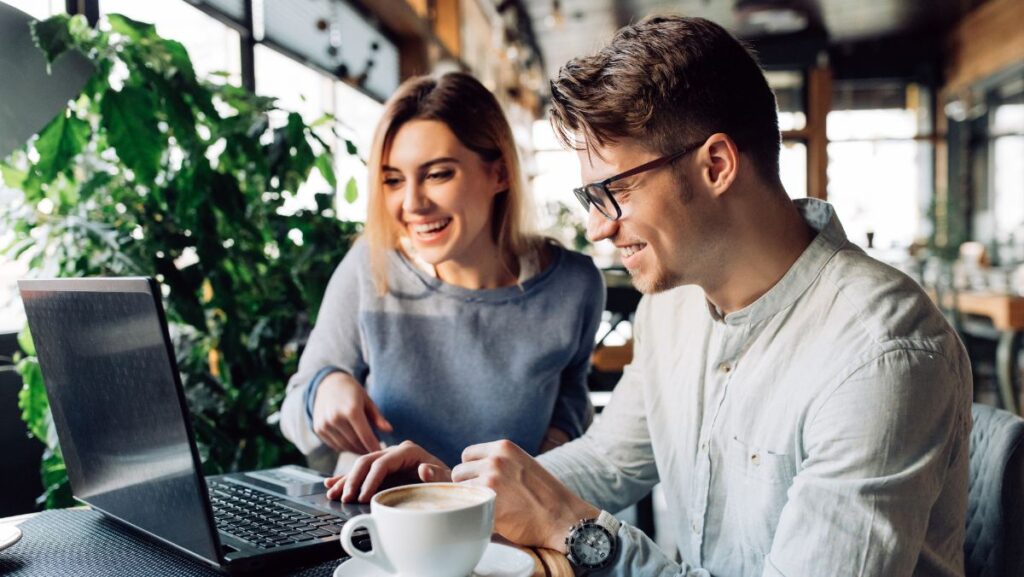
(592, 546)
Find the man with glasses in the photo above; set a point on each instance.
(805, 408)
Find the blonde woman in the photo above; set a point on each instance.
(447, 324)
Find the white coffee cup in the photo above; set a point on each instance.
(425, 530)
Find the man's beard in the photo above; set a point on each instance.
(660, 279)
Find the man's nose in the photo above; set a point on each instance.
(599, 226)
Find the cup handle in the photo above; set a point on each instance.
(376, 555)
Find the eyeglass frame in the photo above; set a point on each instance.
(586, 198)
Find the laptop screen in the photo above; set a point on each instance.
(118, 406)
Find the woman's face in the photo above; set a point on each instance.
(440, 194)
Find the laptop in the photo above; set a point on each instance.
(126, 435)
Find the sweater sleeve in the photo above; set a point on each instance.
(335, 343)
(572, 407)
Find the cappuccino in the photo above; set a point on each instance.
(433, 498)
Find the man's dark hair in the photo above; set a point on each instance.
(665, 82)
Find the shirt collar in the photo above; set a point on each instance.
(821, 217)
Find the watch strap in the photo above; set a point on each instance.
(609, 522)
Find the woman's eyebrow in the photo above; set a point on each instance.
(426, 164)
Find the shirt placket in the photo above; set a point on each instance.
(726, 347)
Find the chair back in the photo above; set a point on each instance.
(994, 544)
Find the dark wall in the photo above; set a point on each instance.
(19, 462)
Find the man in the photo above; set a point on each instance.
(805, 407)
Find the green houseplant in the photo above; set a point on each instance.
(152, 171)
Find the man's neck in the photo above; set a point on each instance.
(768, 237)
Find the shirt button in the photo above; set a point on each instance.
(755, 458)
(696, 528)
(704, 447)
(725, 368)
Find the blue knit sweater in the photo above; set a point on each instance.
(450, 367)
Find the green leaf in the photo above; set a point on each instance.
(133, 29)
(180, 60)
(32, 397)
(12, 177)
(351, 190)
(52, 36)
(324, 163)
(25, 342)
(351, 148)
(129, 119)
(57, 145)
(324, 120)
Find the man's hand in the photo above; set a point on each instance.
(553, 438)
(342, 414)
(533, 507)
(369, 471)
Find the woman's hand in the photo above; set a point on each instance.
(343, 413)
(370, 471)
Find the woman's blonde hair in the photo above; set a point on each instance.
(472, 113)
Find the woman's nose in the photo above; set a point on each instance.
(414, 200)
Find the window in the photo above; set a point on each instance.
(879, 162)
(790, 97)
(1006, 170)
(212, 45)
(38, 9)
(312, 94)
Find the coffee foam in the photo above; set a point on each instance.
(432, 498)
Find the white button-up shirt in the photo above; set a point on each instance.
(820, 431)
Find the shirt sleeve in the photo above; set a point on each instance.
(612, 464)
(335, 344)
(572, 407)
(638, 555)
(879, 450)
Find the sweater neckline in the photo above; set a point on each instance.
(482, 295)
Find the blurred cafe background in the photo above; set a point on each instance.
(906, 115)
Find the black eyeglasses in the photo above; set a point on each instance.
(598, 194)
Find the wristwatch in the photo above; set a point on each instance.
(592, 543)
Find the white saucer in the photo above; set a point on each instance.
(9, 535)
(498, 561)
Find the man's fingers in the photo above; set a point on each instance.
(466, 471)
(484, 450)
(429, 473)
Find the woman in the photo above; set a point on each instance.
(446, 324)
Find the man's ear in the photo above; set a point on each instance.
(719, 163)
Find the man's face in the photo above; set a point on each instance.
(668, 231)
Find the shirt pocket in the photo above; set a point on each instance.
(755, 484)
(758, 463)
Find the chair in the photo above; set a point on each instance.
(994, 545)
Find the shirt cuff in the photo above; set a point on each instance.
(310, 395)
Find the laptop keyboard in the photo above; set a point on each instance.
(267, 521)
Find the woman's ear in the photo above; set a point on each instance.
(500, 173)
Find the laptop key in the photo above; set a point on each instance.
(320, 533)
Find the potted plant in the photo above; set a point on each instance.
(152, 171)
